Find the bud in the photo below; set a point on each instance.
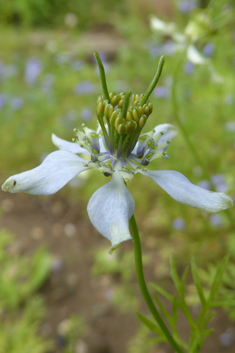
(200, 27)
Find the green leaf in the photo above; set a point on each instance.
(182, 284)
(41, 266)
(207, 318)
(174, 275)
(175, 311)
(197, 282)
(151, 326)
(217, 279)
(163, 292)
(162, 308)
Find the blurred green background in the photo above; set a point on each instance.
(49, 83)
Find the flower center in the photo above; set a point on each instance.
(121, 120)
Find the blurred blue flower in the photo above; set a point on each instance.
(17, 103)
(77, 65)
(86, 114)
(229, 99)
(220, 184)
(7, 70)
(189, 68)
(47, 83)
(186, 6)
(208, 49)
(205, 184)
(32, 70)
(2, 100)
(62, 58)
(216, 220)
(169, 48)
(230, 126)
(84, 87)
(178, 223)
(161, 92)
(154, 50)
(227, 338)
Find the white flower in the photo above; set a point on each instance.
(183, 40)
(116, 149)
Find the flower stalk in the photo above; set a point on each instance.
(143, 286)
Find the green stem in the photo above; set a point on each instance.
(102, 76)
(143, 286)
(154, 81)
(186, 135)
(126, 104)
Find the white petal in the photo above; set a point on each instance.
(57, 169)
(182, 190)
(110, 209)
(195, 56)
(102, 146)
(216, 78)
(162, 26)
(169, 130)
(67, 146)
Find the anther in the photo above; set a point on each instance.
(107, 174)
(100, 108)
